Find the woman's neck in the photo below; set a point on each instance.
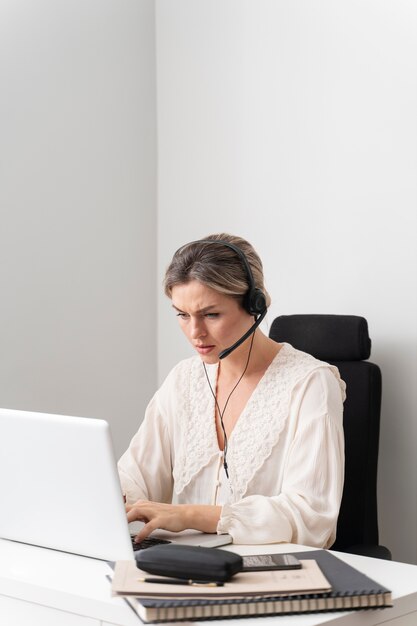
(261, 356)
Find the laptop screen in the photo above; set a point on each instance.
(59, 485)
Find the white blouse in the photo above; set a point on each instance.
(285, 454)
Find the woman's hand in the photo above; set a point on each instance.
(173, 517)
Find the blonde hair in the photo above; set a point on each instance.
(216, 266)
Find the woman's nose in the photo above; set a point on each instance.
(197, 329)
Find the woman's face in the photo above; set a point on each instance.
(210, 320)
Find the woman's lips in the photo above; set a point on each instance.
(204, 349)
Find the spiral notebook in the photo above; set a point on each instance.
(351, 590)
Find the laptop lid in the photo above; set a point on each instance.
(60, 488)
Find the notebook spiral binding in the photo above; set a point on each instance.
(194, 610)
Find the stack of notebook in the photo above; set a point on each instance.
(324, 583)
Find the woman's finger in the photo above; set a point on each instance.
(135, 514)
(146, 530)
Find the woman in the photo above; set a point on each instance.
(246, 441)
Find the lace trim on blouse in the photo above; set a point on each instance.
(258, 428)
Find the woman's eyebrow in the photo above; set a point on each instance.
(206, 309)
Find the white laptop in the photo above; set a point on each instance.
(59, 488)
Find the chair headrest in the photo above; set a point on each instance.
(327, 337)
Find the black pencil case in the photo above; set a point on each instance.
(189, 562)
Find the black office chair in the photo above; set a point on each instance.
(343, 340)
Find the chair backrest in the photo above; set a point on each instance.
(343, 340)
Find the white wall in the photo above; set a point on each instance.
(293, 124)
(78, 208)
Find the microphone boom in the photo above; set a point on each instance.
(227, 351)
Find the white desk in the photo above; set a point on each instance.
(40, 587)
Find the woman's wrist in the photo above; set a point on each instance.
(203, 517)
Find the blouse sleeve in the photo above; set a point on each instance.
(306, 509)
(145, 469)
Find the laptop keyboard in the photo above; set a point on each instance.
(147, 543)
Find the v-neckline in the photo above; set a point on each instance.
(249, 402)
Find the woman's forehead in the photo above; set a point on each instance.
(197, 295)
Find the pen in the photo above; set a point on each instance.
(179, 581)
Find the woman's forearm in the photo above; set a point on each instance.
(204, 517)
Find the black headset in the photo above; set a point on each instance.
(254, 300)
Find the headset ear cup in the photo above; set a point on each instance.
(255, 301)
